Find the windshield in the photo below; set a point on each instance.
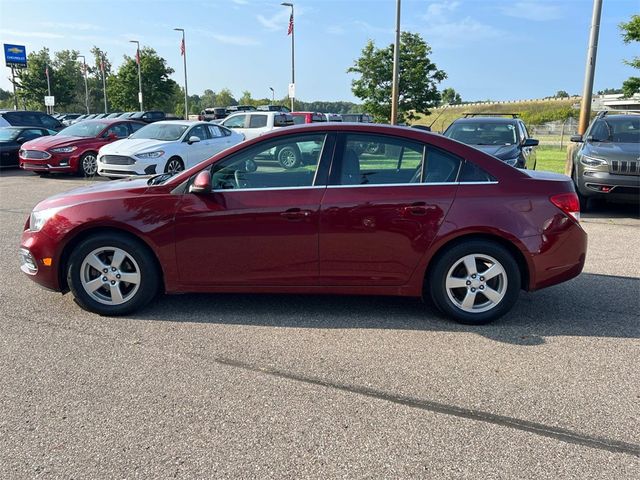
(617, 130)
(84, 129)
(161, 131)
(483, 133)
(8, 134)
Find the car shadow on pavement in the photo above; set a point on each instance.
(609, 210)
(590, 305)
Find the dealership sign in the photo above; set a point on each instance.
(15, 56)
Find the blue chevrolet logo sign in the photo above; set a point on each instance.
(15, 55)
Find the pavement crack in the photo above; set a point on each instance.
(557, 433)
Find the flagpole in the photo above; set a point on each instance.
(86, 87)
(293, 68)
(104, 82)
(48, 85)
(183, 51)
(139, 74)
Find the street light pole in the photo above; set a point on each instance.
(273, 95)
(183, 51)
(104, 81)
(139, 73)
(86, 88)
(291, 31)
(585, 107)
(396, 68)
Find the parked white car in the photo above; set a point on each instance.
(252, 124)
(167, 146)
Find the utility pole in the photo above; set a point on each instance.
(585, 107)
(139, 73)
(86, 87)
(291, 31)
(183, 52)
(396, 68)
(46, 71)
(273, 95)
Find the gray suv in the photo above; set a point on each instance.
(505, 138)
(606, 163)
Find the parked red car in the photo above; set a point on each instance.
(75, 148)
(308, 117)
(425, 215)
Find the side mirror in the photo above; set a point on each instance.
(193, 139)
(202, 183)
(20, 140)
(531, 142)
(112, 136)
(576, 138)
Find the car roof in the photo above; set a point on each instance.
(181, 122)
(485, 120)
(109, 121)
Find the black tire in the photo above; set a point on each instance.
(139, 256)
(508, 283)
(174, 164)
(88, 165)
(289, 156)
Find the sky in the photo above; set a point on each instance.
(490, 49)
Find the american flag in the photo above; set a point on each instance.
(46, 71)
(182, 47)
(138, 56)
(102, 65)
(290, 30)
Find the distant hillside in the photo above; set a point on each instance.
(532, 112)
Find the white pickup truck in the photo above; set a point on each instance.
(255, 123)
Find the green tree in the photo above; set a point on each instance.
(208, 99)
(561, 94)
(450, 96)
(158, 90)
(246, 99)
(224, 98)
(631, 33)
(417, 84)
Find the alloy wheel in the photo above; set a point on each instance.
(476, 283)
(174, 166)
(287, 158)
(110, 275)
(89, 165)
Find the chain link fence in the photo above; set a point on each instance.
(554, 134)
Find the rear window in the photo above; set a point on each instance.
(258, 121)
(298, 119)
(473, 173)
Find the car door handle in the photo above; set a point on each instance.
(416, 208)
(295, 214)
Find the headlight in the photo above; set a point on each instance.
(39, 218)
(592, 161)
(63, 149)
(511, 161)
(155, 154)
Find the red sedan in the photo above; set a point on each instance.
(422, 216)
(75, 148)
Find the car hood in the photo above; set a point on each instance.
(131, 146)
(502, 152)
(98, 191)
(54, 141)
(613, 151)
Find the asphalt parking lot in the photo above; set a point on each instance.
(265, 386)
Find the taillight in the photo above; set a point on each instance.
(568, 203)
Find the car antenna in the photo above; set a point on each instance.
(435, 119)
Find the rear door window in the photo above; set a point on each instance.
(257, 121)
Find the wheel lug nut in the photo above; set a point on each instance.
(473, 289)
(113, 269)
(113, 282)
(481, 287)
(118, 276)
(105, 270)
(473, 276)
(482, 279)
(468, 282)
(104, 279)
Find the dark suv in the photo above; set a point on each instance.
(26, 118)
(606, 163)
(505, 138)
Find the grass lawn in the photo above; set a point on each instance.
(551, 159)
